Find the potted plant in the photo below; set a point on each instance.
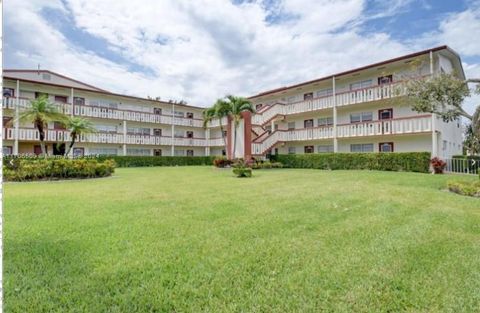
(438, 165)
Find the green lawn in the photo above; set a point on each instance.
(196, 239)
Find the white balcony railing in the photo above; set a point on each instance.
(216, 142)
(374, 93)
(216, 122)
(398, 126)
(410, 125)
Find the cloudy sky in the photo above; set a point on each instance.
(201, 50)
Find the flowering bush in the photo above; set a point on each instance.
(222, 162)
(438, 165)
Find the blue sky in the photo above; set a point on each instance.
(200, 50)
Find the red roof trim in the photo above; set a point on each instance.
(107, 93)
(355, 70)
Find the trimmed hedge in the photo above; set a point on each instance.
(408, 161)
(465, 188)
(145, 161)
(25, 169)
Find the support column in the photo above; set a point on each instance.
(71, 101)
(207, 137)
(124, 137)
(173, 129)
(434, 117)
(17, 117)
(247, 135)
(334, 94)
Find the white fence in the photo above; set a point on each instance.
(462, 166)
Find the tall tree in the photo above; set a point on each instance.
(444, 95)
(77, 126)
(219, 110)
(237, 105)
(40, 113)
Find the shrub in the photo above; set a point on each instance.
(438, 165)
(222, 162)
(466, 188)
(147, 161)
(241, 169)
(25, 169)
(397, 161)
(266, 165)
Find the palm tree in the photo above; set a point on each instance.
(77, 126)
(219, 110)
(237, 105)
(40, 113)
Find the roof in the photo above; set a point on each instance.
(10, 74)
(407, 56)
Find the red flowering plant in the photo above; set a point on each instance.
(438, 165)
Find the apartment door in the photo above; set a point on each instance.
(37, 150)
(308, 123)
(157, 132)
(385, 147)
(61, 99)
(78, 152)
(382, 80)
(157, 152)
(385, 115)
(59, 149)
(308, 96)
(157, 111)
(189, 134)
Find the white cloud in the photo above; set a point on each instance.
(200, 50)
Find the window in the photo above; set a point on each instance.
(189, 134)
(106, 128)
(308, 123)
(157, 152)
(189, 152)
(309, 149)
(138, 131)
(138, 152)
(325, 148)
(291, 150)
(308, 96)
(291, 125)
(361, 84)
(157, 132)
(385, 114)
(157, 111)
(385, 79)
(179, 134)
(361, 117)
(8, 92)
(355, 118)
(385, 147)
(61, 99)
(324, 92)
(444, 145)
(7, 150)
(103, 151)
(78, 101)
(363, 147)
(367, 116)
(58, 125)
(325, 121)
(78, 152)
(179, 114)
(189, 115)
(39, 94)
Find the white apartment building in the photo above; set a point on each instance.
(125, 125)
(360, 110)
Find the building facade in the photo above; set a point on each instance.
(361, 110)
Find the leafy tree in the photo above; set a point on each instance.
(40, 113)
(444, 95)
(77, 126)
(219, 110)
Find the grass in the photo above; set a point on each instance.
(196, 239)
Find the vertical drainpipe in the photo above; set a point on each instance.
(17, 116)
(434, 118)
(334, 94)
(124, 137)
(173, 129)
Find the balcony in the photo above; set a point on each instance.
(216, 122)
(399, 126)
(107, 113)
(374, 93)
(55, 135)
